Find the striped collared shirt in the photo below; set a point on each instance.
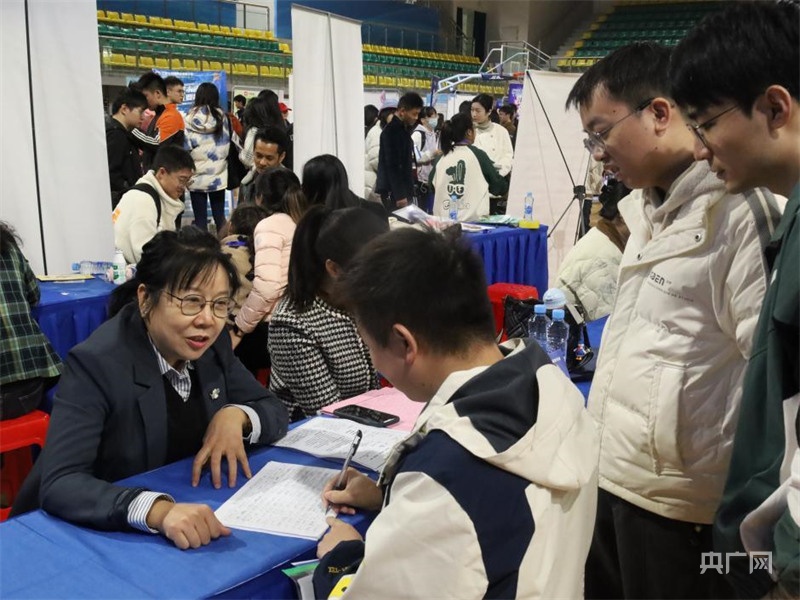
(181, 381)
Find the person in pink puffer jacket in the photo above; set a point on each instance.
(279, 192)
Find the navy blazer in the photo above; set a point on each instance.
(109, 419)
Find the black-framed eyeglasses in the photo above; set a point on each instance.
(699, 129)
(596, 142)
(193, 304)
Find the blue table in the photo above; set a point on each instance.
(44, 557)
(513, 255)
(69, 312)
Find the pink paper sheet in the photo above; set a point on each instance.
(388, 400)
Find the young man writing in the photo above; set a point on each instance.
(746, 117)
(124, 166)
(395, 182)
(667, 386)
(154, 203)
(493, 493)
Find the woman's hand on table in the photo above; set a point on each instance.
(359, 492)
(339, 532)
(223, 439)
(186, 525)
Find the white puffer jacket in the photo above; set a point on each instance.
(372, 147)
(210, 152)
(588, 274)
(495, 141)
(668, 382)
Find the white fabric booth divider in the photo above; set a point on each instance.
(54, 185)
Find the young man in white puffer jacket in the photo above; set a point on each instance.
(668, 382)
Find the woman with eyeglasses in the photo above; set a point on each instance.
(157, 383)
(464, 173)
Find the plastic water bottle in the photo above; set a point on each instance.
(554, 298)
(537, 326)
(557, 335)
(528, 210)
(454, 208)
(118, 267)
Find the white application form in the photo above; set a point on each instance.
(331, 438)
(283, 499)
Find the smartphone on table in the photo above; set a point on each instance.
(366, 416)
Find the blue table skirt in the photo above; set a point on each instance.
(69, 312)
(513, 255)
(44, 557)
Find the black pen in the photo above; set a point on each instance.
(353, 447)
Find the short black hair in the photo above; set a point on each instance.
(432, 283)
(130, 97)
(485, 100)
(171, 261)
(507, 109)
(410, 101)
(325, 234)
(736, 53)
(273, 135)
(631, 74)
(240, 98)
(172, 158)
(243, 223)
(172, 81)
(152, 82)
(465, 107)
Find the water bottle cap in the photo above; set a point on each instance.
(539, 309)
(554, 298)
(558, 314)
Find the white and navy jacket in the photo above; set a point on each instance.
(492, 495)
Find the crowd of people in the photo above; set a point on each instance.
(687, 448)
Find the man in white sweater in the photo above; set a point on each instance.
(668, 383)
(153, 204)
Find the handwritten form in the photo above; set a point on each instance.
(283, 499)
(331, 438)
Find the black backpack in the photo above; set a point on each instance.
(149, 189)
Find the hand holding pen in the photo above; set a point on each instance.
(351, 489)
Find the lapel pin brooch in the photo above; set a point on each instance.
(214, 393)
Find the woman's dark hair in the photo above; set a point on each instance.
(370, 117)
(325, 182)
(243, 222)
(322, 235)
(260, 113)
(385, 113)
(485, 100)
(207, 95)
(455, 130)
(278, 191)
(465, 107)
(428, 112)
(172, 260)
(8, 238)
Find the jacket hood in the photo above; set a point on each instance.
(522, 415)
(150, 179)
(201, 120)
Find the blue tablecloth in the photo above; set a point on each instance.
(513, 255)
(595, 333)
(44, 557)
(69, 312)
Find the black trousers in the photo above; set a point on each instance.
(639, 554)
(20, 398)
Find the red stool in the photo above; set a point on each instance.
(16, 438)
(498, 293)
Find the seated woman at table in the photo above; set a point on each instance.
(464, 172)
(156, 383)
(318, 358)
